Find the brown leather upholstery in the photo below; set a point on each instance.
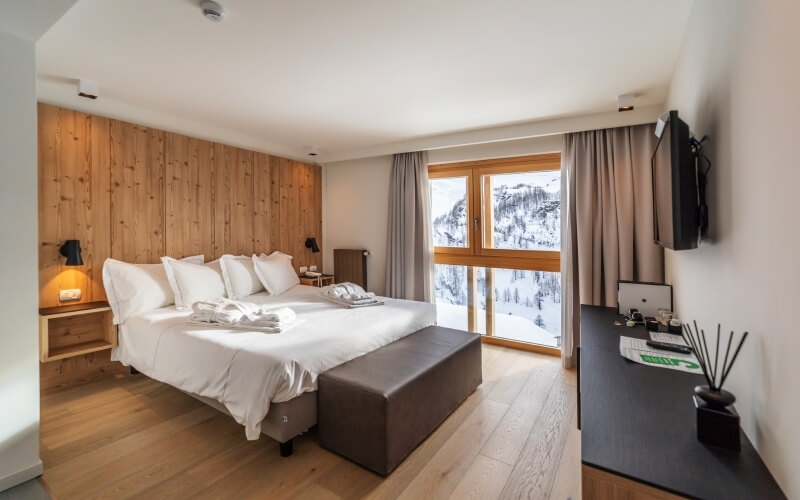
(377, 408)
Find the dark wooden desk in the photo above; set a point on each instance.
(638, 423)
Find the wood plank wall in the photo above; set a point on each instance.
(135, 193)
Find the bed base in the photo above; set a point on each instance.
(285, 420)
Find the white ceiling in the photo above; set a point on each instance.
(351, 74)
(31, 18)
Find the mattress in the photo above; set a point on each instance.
(247, 371)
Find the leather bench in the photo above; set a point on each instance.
(377, 408)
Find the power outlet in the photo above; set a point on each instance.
(313, 268)
(69, 294)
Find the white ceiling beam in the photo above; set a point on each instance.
(538, 128)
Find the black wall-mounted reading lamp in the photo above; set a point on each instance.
(71, 249)
(312, 244)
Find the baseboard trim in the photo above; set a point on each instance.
(21, 476)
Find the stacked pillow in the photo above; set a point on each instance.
(194, 282)
(136, 288)
(239, 275)
(276, 272)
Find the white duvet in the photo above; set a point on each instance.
(246, 371)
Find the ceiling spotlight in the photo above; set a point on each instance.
(312, 150)
(88, 89)
(213, 11)
(625, 102)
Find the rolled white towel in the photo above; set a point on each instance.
(347, 291)
(218, 311)
(279, 315)
(352, 305)
(248, 326)
(227, 312)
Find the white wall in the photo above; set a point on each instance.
(737, 81)
(19, 341)
(356, 198)
(355, 211)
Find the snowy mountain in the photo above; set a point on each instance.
(526, 217)
(450, 229)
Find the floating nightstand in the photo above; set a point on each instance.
(76, 329)
(319, 281)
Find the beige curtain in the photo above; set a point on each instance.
(409, 249)
(607, 234)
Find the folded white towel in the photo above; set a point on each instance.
(352, 305)
(248, 326)
(349, 292)
(279, 315)
(231, 312)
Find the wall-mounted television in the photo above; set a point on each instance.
(679, 212)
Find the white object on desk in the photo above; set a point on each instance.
(638, 351)
(648, 298)
(667, 337)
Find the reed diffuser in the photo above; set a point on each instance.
(717, 420)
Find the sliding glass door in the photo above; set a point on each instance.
(497, 237)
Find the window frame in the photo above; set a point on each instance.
(476, 254)
(450, 173)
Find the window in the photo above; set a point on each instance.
(497, 239)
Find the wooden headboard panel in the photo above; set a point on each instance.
(136, 193)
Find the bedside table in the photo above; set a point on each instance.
(75, 329)
(325, 279)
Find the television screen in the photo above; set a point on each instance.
(675, 194)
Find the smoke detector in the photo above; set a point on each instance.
(213, 11)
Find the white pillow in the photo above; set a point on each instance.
(276, 272)
(239, 276)
(135, 288)
(193, 282)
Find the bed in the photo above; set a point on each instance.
(266, 382)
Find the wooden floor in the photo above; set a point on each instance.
(515, 437)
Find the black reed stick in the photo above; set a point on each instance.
(716, 355)
(699, 343)
(733, 360)
(725, 363)
(695, 342)
(707, 356)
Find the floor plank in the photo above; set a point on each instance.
(508, 439)
(441, 475)
(567, 483)
(484, 480)
(535, 470)
(133, 437)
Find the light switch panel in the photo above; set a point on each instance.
(303, 269)
(313, 268)
(69, 294)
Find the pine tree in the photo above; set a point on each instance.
(516, 295)
(539, 321)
